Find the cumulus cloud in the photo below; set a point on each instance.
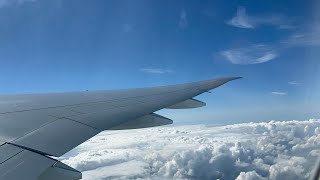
(277, 150)
(251, 175)
(253, 54)
(4, 3)
(156, 70)
(243, 20)
(279, 93)
(183, 22)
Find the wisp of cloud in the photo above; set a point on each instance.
(254, 54)
(243, 20)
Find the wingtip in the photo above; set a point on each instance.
(234, 78)
(223, 80)
(231, 78)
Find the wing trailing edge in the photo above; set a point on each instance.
(150, 120)
(60, 171)
(187, 104)
(19, 163)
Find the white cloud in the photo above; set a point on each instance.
(156, 70)
(309, 37)
(295, 83)
(243, 20)
(131, 169)
(289, 168)
(251, 175)
(260, 53)
(253, 54)
(4, 3)
(276, 150)
(279, 93)
(183, 22)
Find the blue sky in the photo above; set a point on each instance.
(74, 45)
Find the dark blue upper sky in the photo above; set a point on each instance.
(74, 45)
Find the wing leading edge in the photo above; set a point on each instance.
(36, 126)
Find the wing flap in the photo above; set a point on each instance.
(150, 120)
(187, 104)
(7, 151)
(57, 138)
(15, 125)
(112, 117)
(60, 171)
(18, 163)
(24, 165)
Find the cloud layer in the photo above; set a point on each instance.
(267, 150)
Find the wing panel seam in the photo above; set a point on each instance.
(14, 154)
(30, 149)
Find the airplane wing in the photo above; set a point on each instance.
(35, 128)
